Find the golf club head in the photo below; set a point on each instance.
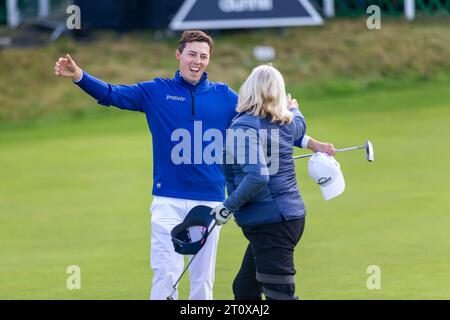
(370, 155)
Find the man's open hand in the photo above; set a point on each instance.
(66, 67)
(292, 103)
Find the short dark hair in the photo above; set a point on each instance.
(195, 35)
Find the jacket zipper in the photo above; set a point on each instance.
(193, 102)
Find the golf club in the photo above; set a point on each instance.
(370, 155)
(175, 286)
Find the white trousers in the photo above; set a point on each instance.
(167, 264)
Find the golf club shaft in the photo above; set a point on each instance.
(337, 150)
(351, 148)
(185, 269)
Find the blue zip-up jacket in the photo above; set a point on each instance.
(178, 113)
(261, 192)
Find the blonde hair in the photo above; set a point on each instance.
(263, 94)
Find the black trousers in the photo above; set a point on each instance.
(268, 263)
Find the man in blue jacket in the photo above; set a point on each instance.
(178, 112)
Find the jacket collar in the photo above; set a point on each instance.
(202, 85)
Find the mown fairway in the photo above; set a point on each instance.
(77, 193)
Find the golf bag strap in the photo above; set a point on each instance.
(275, 279)
(277, 295)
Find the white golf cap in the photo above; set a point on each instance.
(326, 171)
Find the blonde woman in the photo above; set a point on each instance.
(263, 194)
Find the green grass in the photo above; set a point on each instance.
(313, 58)
(77, 192)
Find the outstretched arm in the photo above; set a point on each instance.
(317, 146)
(302, 140)
(127, 97)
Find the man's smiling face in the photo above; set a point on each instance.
(193, 60)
